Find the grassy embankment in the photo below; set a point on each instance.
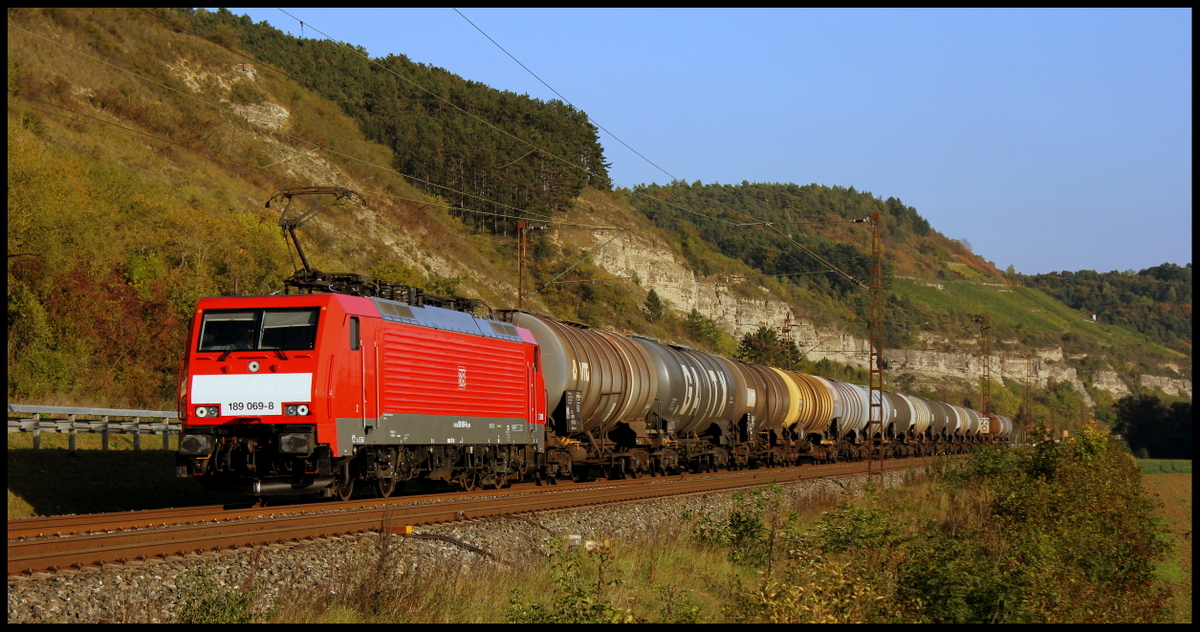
(1170, 482)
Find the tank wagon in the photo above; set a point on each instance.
(325, 393)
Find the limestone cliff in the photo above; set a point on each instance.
(657, 267)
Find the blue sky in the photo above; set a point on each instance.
(1048, 139)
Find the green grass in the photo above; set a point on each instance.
(89, 441)
(1163, 466)
(1013, 305)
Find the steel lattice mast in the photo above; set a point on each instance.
(875, 445)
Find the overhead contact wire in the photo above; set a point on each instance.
(614, 136)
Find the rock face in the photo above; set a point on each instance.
(1168, 385)
(657, 267)
(1109, 381)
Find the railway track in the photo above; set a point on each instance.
(38, 546)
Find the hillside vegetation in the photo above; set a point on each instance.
(143, 144)
(1156, 302)
(507, 155)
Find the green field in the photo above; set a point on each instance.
(1010, 306)
(1160, 466)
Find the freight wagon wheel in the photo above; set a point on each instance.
(468, 480)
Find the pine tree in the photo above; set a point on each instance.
(653, 306)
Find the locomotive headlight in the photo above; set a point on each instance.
(296, 410)
(208, 411)
(296, 443)
(302, 410)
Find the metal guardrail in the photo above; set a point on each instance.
(105, 421)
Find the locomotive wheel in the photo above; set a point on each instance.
(344, 490)
(385, 487)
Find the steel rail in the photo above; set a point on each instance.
(233, 530)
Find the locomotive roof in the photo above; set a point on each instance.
(395, 311)
(445, 319)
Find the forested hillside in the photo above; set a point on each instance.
(770, 226)
(136, 185)
(1156, 301)
(463, 141)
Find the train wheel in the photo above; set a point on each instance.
(385, 487)
(344, 490)
(468, 480)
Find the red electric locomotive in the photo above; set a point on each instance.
(309, 394)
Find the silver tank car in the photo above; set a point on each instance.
(944, 421)
(694, 387)
(922, 417)
(765, 395)
(856, 401)
(977, 422)
(900, 419)
(614, 377)
(963, 423)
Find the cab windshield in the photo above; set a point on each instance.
(259, 329)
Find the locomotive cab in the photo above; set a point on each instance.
(247, 393)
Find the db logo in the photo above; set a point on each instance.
(462, 377)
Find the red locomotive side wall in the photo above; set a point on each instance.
(435, 372)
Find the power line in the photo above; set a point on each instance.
(439, 97)
(489, 124)
(581, 260)
(588, 171)
(535, 147)
(561, 96)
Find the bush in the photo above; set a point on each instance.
(1053, 532)
(579, 591)
(206, 600)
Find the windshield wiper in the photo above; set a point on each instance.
(247, 338)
